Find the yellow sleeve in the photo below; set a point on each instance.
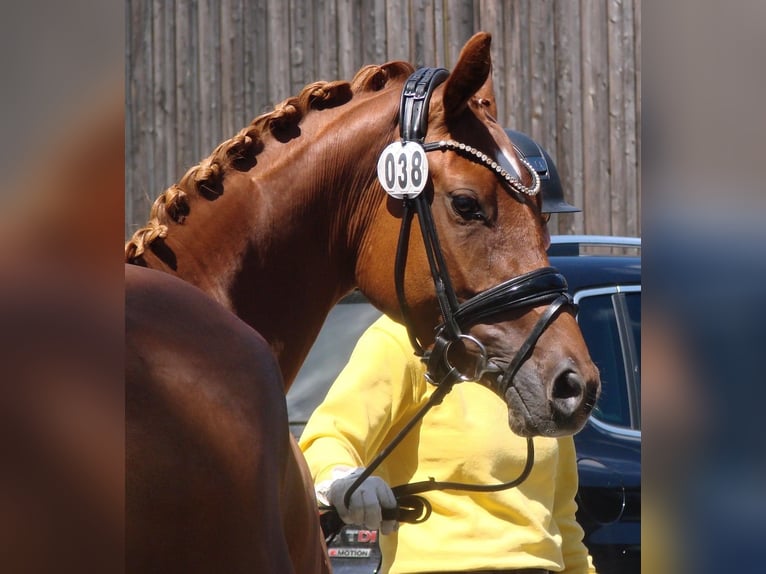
(377, 387)
(576, 557)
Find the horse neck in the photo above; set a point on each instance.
(278, 247)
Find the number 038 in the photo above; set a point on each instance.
(403, 169)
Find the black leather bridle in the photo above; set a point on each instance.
(538, 287)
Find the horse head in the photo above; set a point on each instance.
(477, 293)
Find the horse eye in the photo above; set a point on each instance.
(467, 207)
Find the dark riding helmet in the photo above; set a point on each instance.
(550, 184)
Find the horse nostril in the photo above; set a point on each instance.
(567, 385)
(567, 392)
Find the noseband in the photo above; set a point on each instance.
(538, 287)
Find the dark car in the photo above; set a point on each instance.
(607, 289)
(604, 277)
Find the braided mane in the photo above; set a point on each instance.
(240, 152)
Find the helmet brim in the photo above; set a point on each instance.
(558, 207)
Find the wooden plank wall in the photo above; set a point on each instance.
(566, 71)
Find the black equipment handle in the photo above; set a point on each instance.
(412, 509)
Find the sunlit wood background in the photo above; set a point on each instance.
(567, 72)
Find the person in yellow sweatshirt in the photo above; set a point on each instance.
(529, 529)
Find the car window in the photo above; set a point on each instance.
(633, 308)
(616, 353)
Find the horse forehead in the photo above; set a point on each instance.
(507, 153)
(451, 170)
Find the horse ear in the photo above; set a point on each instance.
(486, 96)
(471, 74)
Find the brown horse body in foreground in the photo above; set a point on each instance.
(238, 267)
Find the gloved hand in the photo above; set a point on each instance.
(364, 508)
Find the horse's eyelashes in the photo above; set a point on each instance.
(467, 207)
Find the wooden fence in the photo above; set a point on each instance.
(567, 72)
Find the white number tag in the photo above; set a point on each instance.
(403, 169)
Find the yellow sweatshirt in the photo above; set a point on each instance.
(465, 439)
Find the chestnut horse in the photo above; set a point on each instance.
(231, 279)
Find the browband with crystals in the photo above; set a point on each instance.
(480, 157)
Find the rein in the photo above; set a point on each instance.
(538, 287)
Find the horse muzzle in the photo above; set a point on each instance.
(554, 406)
